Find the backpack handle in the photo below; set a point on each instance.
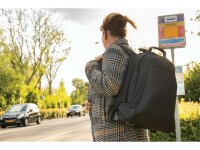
(143, 50)
(160, 49)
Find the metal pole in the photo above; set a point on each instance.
(172, 53)
(176, 115)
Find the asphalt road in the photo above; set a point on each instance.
(64, 129)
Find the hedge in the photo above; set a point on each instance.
(53, 113)
(189, 114)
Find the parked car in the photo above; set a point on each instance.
(76, 110)
(21, 114)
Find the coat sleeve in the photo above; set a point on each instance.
(90, 92)
(107, 79)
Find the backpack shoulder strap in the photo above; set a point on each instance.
(127, 49)
(123, 92)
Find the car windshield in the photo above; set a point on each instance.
(17, 108)
(75, 106)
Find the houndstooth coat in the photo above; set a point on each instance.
(105, 79)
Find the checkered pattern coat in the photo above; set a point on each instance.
(105, 79)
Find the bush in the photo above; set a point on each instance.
(52, 113)
(189, 113)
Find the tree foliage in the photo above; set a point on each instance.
(79, 95)
(192, 75)
(197, 19)
(33, 45)
(32, 97)
(37, 42)
(10, 81)
(192, 81)
(64, 101)
(58, 99)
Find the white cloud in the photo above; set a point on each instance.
(79, 15)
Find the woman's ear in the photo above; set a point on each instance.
(101, 28)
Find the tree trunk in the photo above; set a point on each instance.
(50, 88)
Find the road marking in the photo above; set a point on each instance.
(15, 128)
(62, 133)
(21, 128)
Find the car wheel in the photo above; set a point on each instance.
(80, 114)
(3, 126)
(68, 115)
(38, 120)
(25, 122)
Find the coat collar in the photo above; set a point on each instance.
(122, 41)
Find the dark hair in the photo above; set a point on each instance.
(116, 24)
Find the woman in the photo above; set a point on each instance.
(105, 74)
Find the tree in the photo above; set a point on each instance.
(14, 29)
(192, 81)
(79, 95)
(37, 42)
(32, 97)
(64, 100)
(10, 81)
(52, 44)
(54, 58)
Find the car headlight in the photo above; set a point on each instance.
(20, 116)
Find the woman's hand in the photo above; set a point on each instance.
(99, 58)
(88, 105)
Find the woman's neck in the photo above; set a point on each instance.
(112, 40)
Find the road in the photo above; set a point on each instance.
(64, 129)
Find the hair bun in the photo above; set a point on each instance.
(116, 24)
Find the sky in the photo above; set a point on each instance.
(83, 31)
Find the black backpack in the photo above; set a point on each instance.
(147, 95)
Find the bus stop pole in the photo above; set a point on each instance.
(176, 115)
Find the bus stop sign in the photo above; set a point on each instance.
(171, 31)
